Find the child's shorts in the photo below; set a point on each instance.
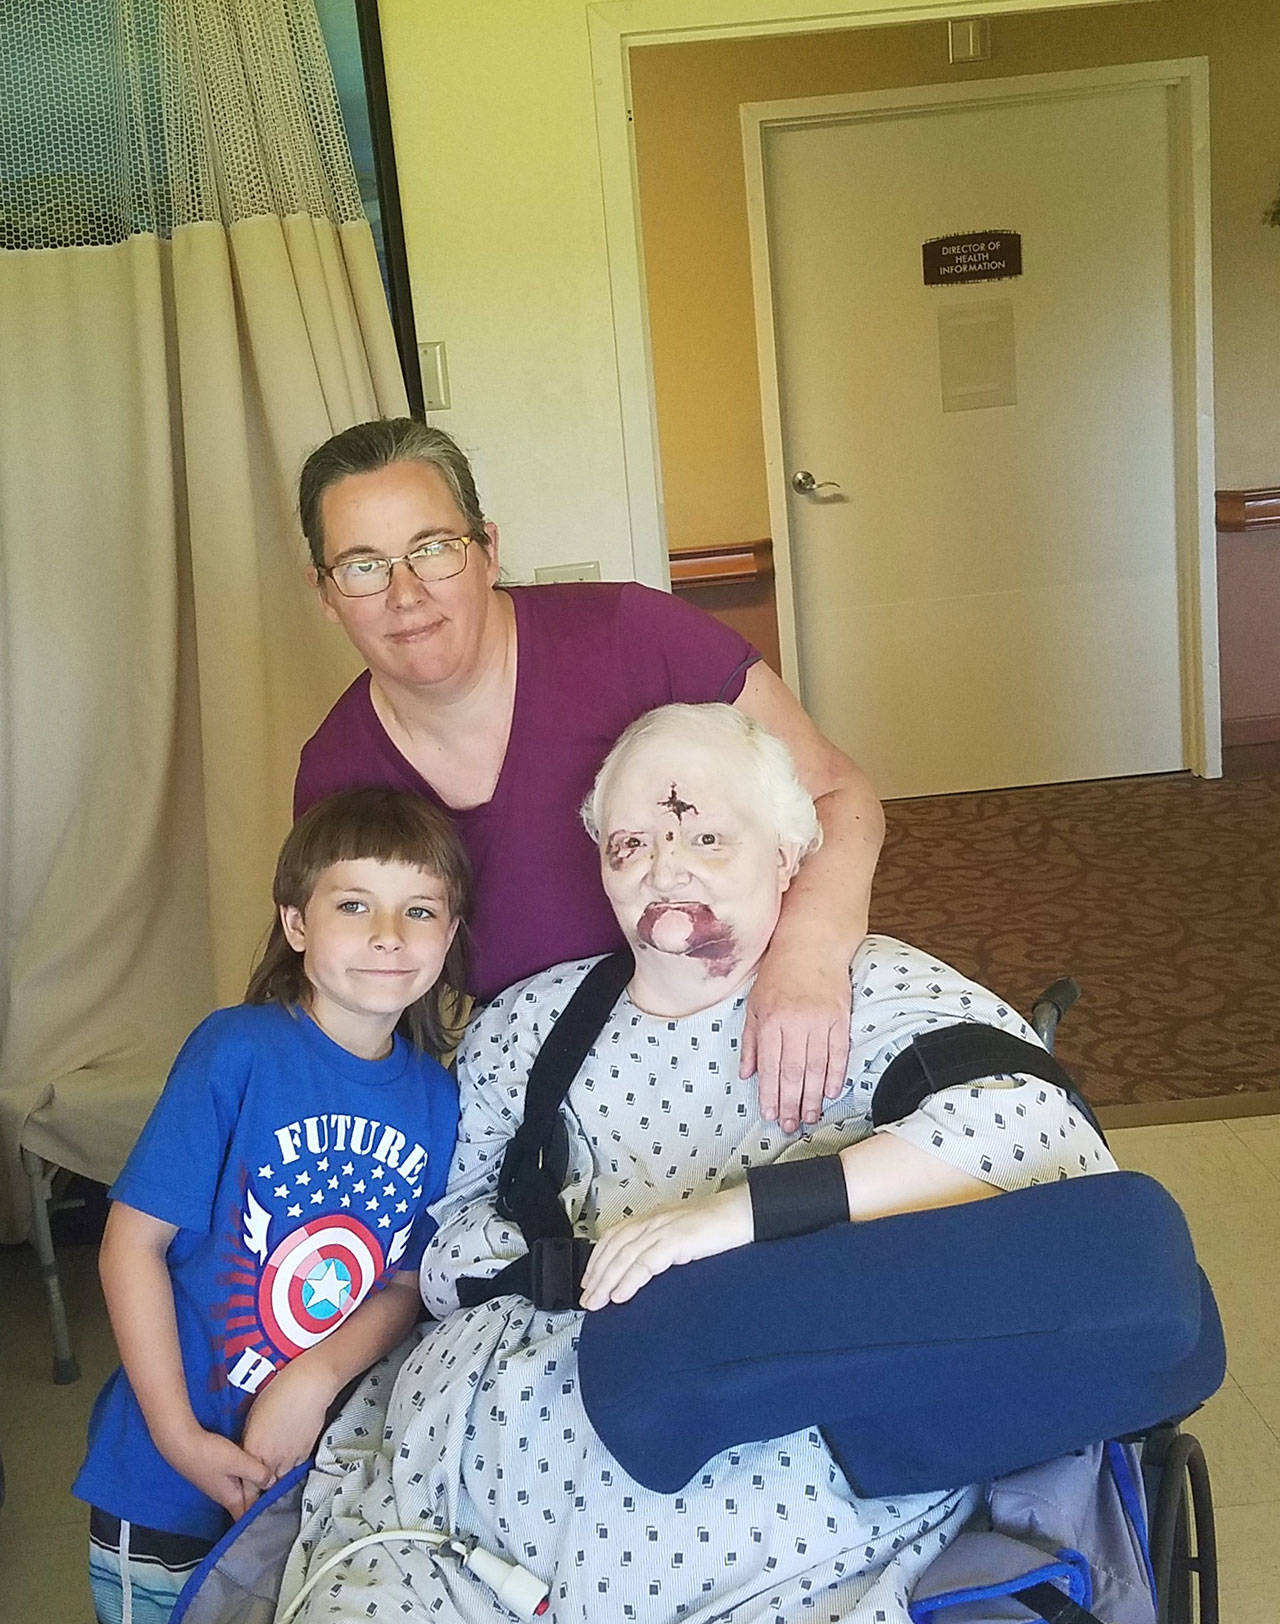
(135, 1573)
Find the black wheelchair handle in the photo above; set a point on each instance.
(1052, 1004)
(1061, 994)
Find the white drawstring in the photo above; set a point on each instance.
(126, 1614)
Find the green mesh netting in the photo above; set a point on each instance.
(126, 116)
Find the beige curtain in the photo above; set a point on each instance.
(176, 333)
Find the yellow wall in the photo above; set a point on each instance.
(493, 112)
(693, 210)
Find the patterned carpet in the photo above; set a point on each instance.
(1161, 896)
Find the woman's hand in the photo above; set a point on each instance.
(219, 1468)
(796, 1036)
(628, 1256)
(286, 1418)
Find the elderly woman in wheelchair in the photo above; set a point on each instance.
(720, 1493)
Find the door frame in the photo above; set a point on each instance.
(1187, 84)
(614, 29)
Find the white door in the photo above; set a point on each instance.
(991, 596)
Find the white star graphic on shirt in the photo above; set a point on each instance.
(359, 1188)
(333, 1182)
(303, 1178)
(295, 1212)
(348, 1170)
(402, 1206)
(384, 1223)
(323, 1166)
(371, 1205)
(416, 1191)
(388, 1189)
(317, 1198)
(266, 1173)
(282, 1190)
(346, 1201)
(327, 1287)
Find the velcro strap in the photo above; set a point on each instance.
(514, 1280)
(796, 1198)
(558, 1262)
(966, 1052)
(550, 1276)
(1053, 1605)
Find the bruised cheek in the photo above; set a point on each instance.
(616, 851)
(719, 953)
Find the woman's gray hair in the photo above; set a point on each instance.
(720, 728)
(366, 447)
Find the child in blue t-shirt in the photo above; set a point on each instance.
(265, 1236)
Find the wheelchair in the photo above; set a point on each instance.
(1177, 1510)
(1181, 1535)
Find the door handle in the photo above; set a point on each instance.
(804, 484)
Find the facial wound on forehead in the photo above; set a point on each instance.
(676, 806)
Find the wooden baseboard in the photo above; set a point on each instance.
(1217, 1108)
(1250, 730)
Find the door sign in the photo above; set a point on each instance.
(972, 256)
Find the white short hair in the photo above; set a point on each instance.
(721, 729)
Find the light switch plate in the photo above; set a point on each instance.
(590, 571)
(435, 376)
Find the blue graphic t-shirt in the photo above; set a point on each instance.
(299, 1177)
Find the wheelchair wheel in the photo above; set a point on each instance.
(1184, 1551)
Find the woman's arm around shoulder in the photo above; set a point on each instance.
(796, 1037)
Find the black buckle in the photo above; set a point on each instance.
(558, 1262)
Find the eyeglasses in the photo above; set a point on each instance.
(435, 560)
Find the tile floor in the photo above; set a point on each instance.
(1226, 1175)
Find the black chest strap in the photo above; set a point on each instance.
(535, 1163)
(966, 1052)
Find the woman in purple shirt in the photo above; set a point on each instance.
(500, 703)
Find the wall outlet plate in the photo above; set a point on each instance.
(590, 571)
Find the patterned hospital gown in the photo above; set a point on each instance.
(485, 1433)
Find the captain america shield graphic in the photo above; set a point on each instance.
(317, 1275)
